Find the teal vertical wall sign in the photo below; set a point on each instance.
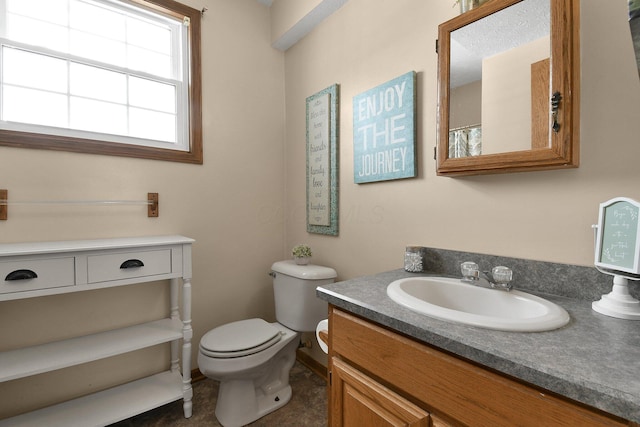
(384, 131)
(322, 161)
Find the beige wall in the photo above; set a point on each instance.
(232, 205)
(535, 215)
(506, 97)
(465, 108)
(246, 205)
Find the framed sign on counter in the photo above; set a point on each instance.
(322, 161)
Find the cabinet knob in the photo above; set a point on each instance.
(132, 263)
(21, 275)
(555, 106)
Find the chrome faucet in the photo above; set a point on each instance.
(499, 277)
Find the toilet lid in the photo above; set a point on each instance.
(239, 338)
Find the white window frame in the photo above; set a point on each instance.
(189, 122)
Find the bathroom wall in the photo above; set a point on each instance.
(506, 97)
(544, 216)
(232, 205)
(246, 205)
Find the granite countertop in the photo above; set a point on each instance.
(595, 359)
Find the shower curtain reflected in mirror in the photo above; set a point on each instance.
(465, 141)
(634, 24)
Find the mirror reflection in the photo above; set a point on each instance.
(499, 82)
(634, 26)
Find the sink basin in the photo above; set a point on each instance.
(450, 299)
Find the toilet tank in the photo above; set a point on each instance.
(294, 288)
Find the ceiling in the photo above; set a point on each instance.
(306, 23)
(518, 24)
(514, 26)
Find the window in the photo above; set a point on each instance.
(101, 76)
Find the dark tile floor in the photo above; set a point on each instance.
(307, 407)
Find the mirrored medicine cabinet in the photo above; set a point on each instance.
(508, 88)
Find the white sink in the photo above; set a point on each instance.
(450, 299)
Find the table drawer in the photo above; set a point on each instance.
(48, 273)
(128, 265)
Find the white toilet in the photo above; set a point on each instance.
(252, 358)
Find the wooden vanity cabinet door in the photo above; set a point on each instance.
(439, 422)
(360, 401)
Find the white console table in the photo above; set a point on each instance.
(50, 268)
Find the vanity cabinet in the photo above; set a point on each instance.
(381, 376)
(363, 401)
(29, 270)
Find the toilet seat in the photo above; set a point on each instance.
(240, 338)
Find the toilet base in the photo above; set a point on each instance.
(242, 401)
(242, 411)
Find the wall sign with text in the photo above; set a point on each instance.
(322, 161)
(384, 131)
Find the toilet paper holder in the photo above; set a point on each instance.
(322, 335)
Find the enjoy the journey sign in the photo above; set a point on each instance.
(384, 131)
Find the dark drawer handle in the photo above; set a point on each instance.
(132, 263)
(21, 275)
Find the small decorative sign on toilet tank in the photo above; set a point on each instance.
(384, 131)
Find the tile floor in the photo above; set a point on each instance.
(307, 407)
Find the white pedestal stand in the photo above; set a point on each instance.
(618, 303)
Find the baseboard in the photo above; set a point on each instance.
(316, 367)
(196, 376)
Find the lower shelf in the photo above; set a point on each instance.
(108, 406)
(24, 362)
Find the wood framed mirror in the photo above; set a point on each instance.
(508, 88)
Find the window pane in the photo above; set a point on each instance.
(149, 36)
(98, 20)
(54, 11)
(98, 48)
(149, 62)
(152, 125)
(36, 71)
(98, 116)
(152, 95)
(38, 33)
(98, 83)
(34, 106)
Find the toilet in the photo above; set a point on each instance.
(252, 358)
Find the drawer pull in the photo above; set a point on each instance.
(21, 275)
(132, 263)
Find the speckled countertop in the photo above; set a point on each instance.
(595, 359)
